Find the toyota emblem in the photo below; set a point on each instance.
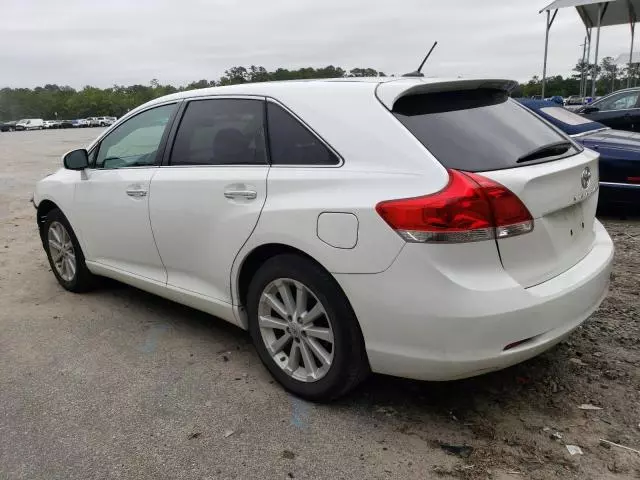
(585, 178)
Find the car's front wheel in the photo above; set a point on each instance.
(304, 328)
(64, 253)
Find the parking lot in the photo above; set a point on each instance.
(121, 384)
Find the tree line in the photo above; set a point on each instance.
(609, 78)
(63, 102)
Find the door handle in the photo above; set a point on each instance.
(246, 194)
(136, 191)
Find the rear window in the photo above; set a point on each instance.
(477, 130)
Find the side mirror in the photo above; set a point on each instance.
(76, 159)
(589, 110)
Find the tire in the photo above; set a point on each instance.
(82, 279)
(348, 365)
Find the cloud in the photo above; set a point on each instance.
(79, 43)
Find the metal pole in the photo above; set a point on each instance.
(584, 52)
(583, 93)
(595, 60)
(546, 48)
(633, 31)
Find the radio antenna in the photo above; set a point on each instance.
(418, 72)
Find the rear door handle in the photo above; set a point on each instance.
(246, 194)
(136, 191)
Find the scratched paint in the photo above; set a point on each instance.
(153, 336)
(299, 412)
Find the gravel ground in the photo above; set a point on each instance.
(121, 384)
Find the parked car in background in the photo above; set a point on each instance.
(80, 123)
(65, 123)
(93, 121)
(49, 124)
(472, 219)
(30, 124)
(9, 126)
(556, 99)
(574, 100)
(619, 151)
(619, 110)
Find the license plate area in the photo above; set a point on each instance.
(569, 223)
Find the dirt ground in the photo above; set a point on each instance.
(121, 384)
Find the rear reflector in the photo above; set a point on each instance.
(633, 179)
(470, 208)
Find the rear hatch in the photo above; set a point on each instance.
(478, 128)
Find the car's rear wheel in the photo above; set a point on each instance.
(304, 328)
(64, 253)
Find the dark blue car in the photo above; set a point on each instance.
(619, 150)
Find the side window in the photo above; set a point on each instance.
(622, 101)
(292, 143)
(221, 132)
(134, 143)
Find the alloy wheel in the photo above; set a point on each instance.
(296, 329)
(61, 250)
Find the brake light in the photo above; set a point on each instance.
(470, 208)
(633, 179)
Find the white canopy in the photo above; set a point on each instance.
(594, 14)
(618, 12)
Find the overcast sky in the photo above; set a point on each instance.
(104, 42)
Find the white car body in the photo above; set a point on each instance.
(106, 121)
(426, 311)
(30, 124)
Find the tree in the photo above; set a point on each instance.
(608, 71)
(44, 102)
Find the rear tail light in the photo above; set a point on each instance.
(633, 179)
(470, 208)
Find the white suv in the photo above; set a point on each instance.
(422, 228)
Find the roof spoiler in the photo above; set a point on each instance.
(390, 92)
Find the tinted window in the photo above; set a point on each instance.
(475, 130)
(221, 132)
(136, 141)
(292, 143)
(621, 101)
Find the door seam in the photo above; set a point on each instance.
(153, 235)
(266, 196)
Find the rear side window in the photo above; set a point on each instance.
(221, 132)
(621, 101)
(292, 143)
(479, 130)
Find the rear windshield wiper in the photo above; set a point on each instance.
(549, 150)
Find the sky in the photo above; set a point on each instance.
(107, 42)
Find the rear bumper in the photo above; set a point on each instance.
(428, 319)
